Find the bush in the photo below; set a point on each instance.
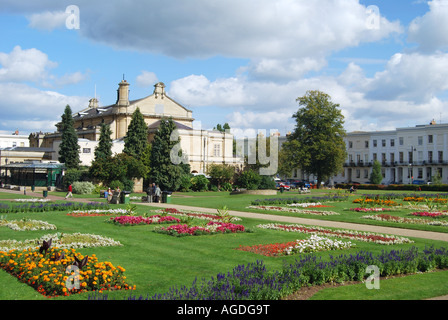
(83, 187)
(226, 187)
(185, 182)
(267, 183)
(116, 184)
(199, 183)
(249, 180)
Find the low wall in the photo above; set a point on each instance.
(255, 192)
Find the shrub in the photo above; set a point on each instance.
(267, 183)
(249, 180)
(116, 184)
(80, 187)
(199, 183)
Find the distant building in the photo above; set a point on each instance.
(203, 147)
(407, 155)
(14, 140)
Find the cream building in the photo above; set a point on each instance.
(202, 147)
(407, 155)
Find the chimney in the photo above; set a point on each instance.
(123, 93)
(93, 103)
(159, 90)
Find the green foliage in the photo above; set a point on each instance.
(164, 172)
(220, 174)
(69, 147)
(83, 187)
(136, 138)
(185, 182)
(103, 151)
(249, 180)
(267, 183)
(317, 144)
(376, 176)
(115, 184)
(72, 175)
(199, 183)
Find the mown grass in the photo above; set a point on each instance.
(156, 262)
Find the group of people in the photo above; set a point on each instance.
(153, 192)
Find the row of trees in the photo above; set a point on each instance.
(316, 147)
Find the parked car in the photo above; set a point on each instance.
(301, 184)
(282, 185)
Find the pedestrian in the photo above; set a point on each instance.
(149, 193)
(157, 194)
(69, 193)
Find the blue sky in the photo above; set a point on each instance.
(241, 62)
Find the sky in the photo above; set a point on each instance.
(384, 62)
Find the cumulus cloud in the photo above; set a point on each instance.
(25, 65)
(38, 105)
(48, 20)
(429, 31)
(146, 79)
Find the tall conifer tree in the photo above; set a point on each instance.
(69, 148)
(136, 139)
(164, 172)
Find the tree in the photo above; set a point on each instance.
(103, 150)
(317, 144)
(136, 139)
(376, 177)
(220, 174)
(69, 148)
(164, 171)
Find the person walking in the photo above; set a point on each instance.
(157, 194)
(69, 193)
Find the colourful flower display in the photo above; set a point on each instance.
(212, 227)
(138, 220)
(389, 218)
(98, 212)
(27, 225)
(53, 273)
(313, 244)
(194, 214)
(295, 210)
(348, 234)
(369, 209)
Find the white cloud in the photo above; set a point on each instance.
(429, 31)
(48, 20)
(25, 65)
(146, 79)
(22, 103)
(255, 29)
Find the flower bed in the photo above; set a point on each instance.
(48, 272)
(313, 244)
(309, 205)
(62, 241)
(369, 209)
(389, 218)
(348, 234)
(97, 212)
(138, 220)
(212, 227)
(285, 209)
(47, 207)
(376, 202)
(429, 214)
(194, 214)
(27, 225)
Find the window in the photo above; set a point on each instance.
(383, 143)
(392, 142)
(430, 156)
(420, 173)
(440, 156)
(430, 138)
(401, 157)
(400, 141)
(366, 174)
(392, 158)
(217, 150)
(420, 141)
(375, 157)
(374, 143)
(366, 144)
(86, 150)
(350, 144)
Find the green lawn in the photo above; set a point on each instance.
(156, 262)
